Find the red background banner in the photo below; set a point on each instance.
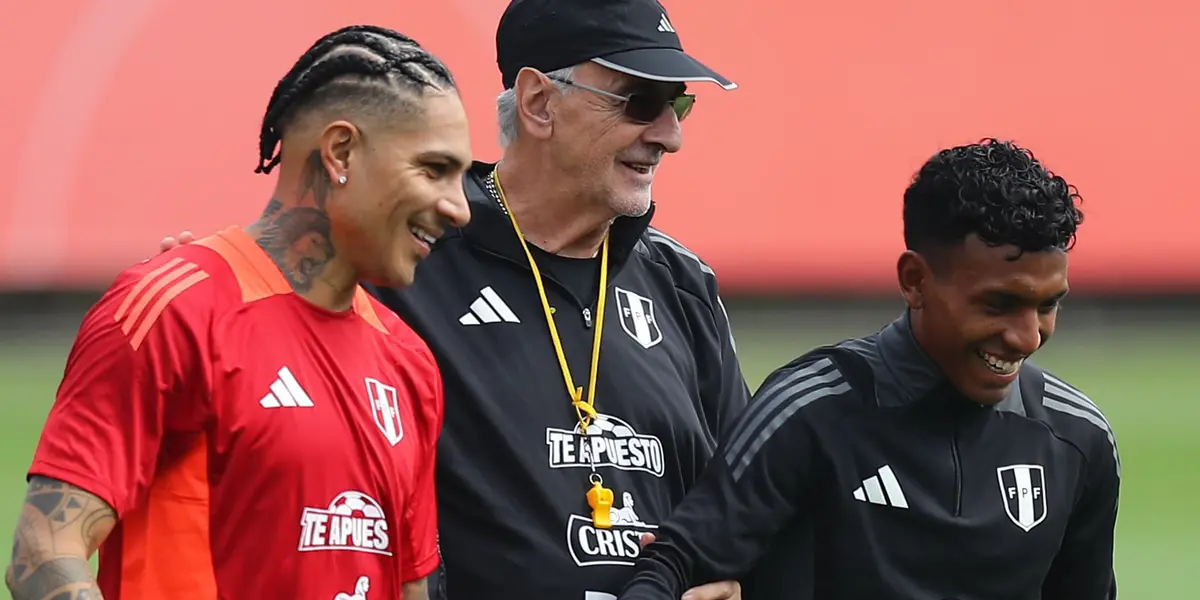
(129, 120)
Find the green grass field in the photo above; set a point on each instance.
(1142, 372)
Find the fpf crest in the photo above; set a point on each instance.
(1023, 489)
(637, 318)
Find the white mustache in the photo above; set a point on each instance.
(651, 156)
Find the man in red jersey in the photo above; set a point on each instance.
(238, 418)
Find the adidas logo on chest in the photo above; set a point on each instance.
(488, 307)
(882, 489)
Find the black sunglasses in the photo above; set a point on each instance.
(642, 107)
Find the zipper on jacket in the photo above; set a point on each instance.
(957, 470)
(587, 318)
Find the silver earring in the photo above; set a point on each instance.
(342, 180)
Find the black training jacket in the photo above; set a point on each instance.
(858, 472)
(514, 522)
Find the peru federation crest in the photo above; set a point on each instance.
(637, 318)
(1023, 489)
(385, 407)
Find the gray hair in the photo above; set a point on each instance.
(506, 106)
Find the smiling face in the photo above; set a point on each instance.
(609, 156)
(405, 189)
(979, 314)
(988, 229)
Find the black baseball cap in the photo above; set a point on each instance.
(631, 36)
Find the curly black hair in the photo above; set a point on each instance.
(361, 64)
(995, 190)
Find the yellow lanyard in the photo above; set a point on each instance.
(599, 498)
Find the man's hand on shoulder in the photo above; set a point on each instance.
(170, 242)
(720, 590)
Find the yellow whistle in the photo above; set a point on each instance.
(600, 499)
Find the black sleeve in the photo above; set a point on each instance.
(750, 491)
(723, 388)
(1083, 568)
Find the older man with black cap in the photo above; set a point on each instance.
(588, 365)
(588, 362)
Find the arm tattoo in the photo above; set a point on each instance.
(298, 238)
(60, 527)
(415, 590)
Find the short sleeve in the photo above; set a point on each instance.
(130, 378)
(421, 552)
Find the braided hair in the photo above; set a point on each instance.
(359, 63)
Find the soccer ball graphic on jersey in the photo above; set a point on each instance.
(355, 503)
(603, 424)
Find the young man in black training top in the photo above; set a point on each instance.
(930, 460)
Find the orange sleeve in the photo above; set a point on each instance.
(133, 376)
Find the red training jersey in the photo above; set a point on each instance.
(253, 444)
